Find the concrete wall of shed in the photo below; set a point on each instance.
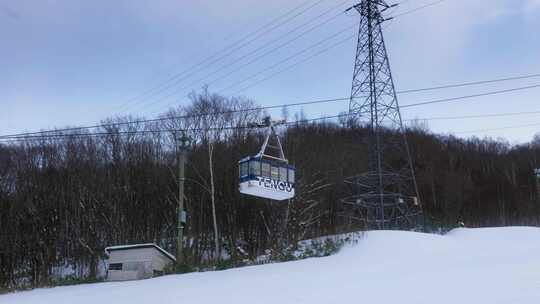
(138, 263)
(161, 262)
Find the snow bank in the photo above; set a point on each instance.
(496, 265)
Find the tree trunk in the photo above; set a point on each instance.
(213, 198)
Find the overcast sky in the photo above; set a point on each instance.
(75, 62)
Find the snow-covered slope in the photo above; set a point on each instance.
(495, 265)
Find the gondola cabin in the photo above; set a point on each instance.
(266, 178)
(267, 175)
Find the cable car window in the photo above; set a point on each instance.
(275, 173)
(244, 169)
(265, 170)
(255, 167)
(291, 176)
(283, 174)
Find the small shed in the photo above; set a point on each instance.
(136, 262)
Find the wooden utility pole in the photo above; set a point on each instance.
(182, 144)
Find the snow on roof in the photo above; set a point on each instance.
(137, 246)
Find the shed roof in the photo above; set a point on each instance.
(139, 246)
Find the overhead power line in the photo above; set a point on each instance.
(309, 30)
(255, 51)
(244, 37)
(475, 116)
(214, 58)
(320, 42)
(414, 10)
(266, 78)
(461, 98)
(499, 128)
(287, 68)
(473, 83)
(312, 56)
(408, 91)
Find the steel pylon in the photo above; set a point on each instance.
(386, 196)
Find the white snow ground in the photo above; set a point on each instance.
(491, 266)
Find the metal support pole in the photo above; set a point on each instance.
(538, 189)
(182, 146)
(537, 177)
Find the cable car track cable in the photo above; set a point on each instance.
(100, 134)
(292, 123)
(320, 101)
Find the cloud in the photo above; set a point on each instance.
(441, 35)
(531, 5)
(10, 13)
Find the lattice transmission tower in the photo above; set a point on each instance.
(386, 195)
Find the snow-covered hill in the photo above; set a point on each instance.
(494, 265)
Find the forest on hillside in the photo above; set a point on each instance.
(64, 199)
